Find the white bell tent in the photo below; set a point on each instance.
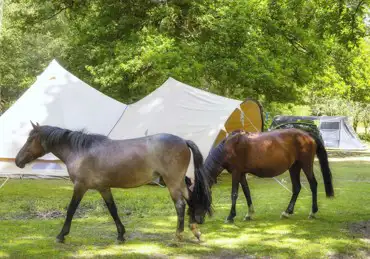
(57, 98)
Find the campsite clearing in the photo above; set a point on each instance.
(32, 213)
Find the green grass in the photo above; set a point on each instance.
(149, 217)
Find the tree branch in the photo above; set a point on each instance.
(61, 10)
(298, 46)
(354, 17)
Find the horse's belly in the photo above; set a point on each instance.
(266, 172)
(130, 178)
(270, 167)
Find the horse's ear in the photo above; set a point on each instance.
(34, 126)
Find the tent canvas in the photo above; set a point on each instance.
(60, 99)
(335, 130)
(188, 112)
(177, 108)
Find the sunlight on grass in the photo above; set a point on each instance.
(115, 250)
(33, 237)
(32, 213)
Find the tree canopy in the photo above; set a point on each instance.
(275, 51)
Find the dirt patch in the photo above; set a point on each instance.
(362, 254)
(335, 153)
(362, 228)
(50, 214)
(230, 255)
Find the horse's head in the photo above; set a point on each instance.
(200, 203)
(198, 213)
(32, 149)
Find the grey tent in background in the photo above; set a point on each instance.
(335, 130)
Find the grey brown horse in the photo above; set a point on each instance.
(98, 162)
(266, 155)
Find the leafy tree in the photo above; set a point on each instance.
(275, 51)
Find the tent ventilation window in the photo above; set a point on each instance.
(329, 125)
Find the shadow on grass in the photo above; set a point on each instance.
(154, 237)
(149, 217)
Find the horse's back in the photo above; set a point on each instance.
(131, 162)
(271, 153)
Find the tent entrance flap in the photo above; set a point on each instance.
(248, 117)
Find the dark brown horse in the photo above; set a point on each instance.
(270, 154)
(97, 162)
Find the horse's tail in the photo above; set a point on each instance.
(201, 194)
(324, 164)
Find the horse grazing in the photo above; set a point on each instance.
(97, 162)
(269, 154)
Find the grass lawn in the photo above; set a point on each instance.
(32, 213)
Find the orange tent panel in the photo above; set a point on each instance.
(221, 135)
(253, 116)
(234, 121)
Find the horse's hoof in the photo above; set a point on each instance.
(60, 240)
(179, 237)
(284, 215)
(197, 235)
(195, 231)
(247, 218)
(229, 221)
(251, 209)
(312, 216)
(120, 240)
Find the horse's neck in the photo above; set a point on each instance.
(213, 165)
(63, 152)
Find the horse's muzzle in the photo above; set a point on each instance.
(199, 219)
(19, 164)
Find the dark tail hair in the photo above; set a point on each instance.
(324, 164)
(201, 194)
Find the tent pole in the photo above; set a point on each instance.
(282, 184)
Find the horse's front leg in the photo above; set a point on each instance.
(247, 194)
(234, 196)
(78, 193)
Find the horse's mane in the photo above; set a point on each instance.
(214, 160)
(77, 140)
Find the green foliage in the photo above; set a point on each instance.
(364, 136)
(274, 51)
(24, 51)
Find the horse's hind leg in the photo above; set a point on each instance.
(109, 201)
(234, 196)
(247, 194)
(294, 171)
(78, 193)
(308, 170)
(178, 195)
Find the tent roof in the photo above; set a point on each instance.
(178, 109)
(57, 98)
